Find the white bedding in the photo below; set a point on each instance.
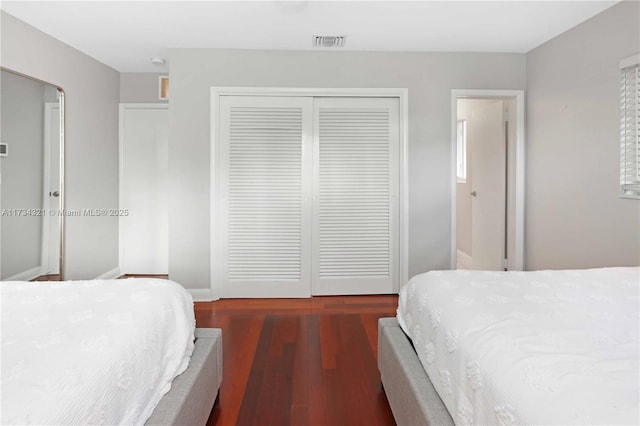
(547, 347)
(92, 352)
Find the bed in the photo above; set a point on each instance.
(540, 347)
(105, 352)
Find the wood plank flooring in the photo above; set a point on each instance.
(50, 277)
(299, 361)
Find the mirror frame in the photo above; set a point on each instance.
(61, 206)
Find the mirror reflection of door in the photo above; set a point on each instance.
(481, 186)
(30, 129)
(51, 191)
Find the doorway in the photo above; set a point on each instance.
(488, 180)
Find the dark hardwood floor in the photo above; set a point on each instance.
(50, 277)
(299, 361)
(161, 276)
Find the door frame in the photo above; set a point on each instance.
(400, 93)
(122, 108)
(516, 163)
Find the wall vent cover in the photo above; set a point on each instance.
(328, 41)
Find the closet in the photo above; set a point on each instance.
(308, 196)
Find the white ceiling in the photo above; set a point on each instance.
(126, 34)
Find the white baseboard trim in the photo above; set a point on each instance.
(463, 260)
(109, 275)
(26, 275)
(200, 294)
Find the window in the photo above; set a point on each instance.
(630, 127)
(462, 151)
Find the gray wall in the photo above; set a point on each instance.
(429, 78)
(575, 218)
(140, 87)
(92, 94)
(22, 128)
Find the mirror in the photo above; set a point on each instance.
(31, 179)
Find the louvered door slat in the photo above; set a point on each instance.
(285, 126)
(265, 235)
(355, 188)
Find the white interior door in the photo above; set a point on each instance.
(355, 198)
(264, 202)
(144, 230)
(486, 138)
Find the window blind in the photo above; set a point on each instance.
(462, 151)
(630, 127)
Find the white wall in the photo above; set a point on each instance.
(574, 217)
(429, 78)
(140, 87)
(92, 94)
(22, 128)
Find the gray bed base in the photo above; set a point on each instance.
(193, 393)
(411, 395)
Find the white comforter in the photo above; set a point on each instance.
(547, 347)
(92, 352)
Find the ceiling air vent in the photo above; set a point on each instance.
(328, 41)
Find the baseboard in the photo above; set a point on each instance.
(109, 275)
(26, 275)
(463, 260)
(200, 294)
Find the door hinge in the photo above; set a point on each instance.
(505, 116)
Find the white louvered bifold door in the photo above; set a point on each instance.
(356, 185)
(265, 185)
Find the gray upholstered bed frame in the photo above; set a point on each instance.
(193, 393)
(411, 395)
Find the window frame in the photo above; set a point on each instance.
(461, 151)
